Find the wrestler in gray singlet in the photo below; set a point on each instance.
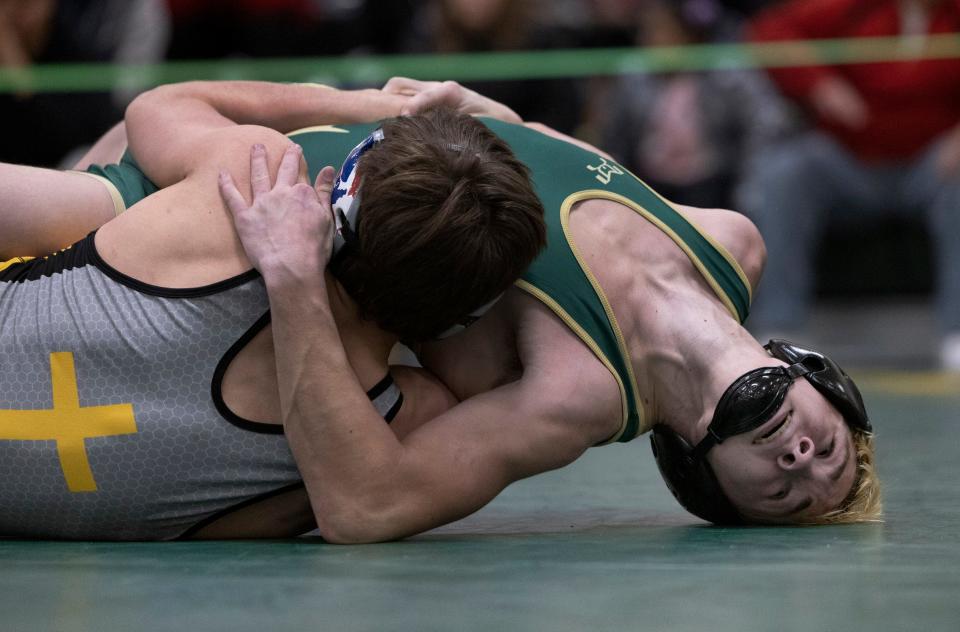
(112, 424)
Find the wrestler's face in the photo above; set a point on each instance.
(798, 465)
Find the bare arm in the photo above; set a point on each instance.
(427, 94)
(365, 482)
(43, 210)
(170, 127)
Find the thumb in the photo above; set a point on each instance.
(324, 183)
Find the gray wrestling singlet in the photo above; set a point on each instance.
(112, 425)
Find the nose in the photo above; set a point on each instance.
(798, 455)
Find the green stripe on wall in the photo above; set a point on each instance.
(483, 66)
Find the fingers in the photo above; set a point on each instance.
(259, 172)
(405, 86)
(447, 93)
(289, 170)
(231, 196)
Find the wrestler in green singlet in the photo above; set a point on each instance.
(563, 174)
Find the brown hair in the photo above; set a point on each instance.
(448, 221)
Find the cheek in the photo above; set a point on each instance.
(731, 464)
(741, 472)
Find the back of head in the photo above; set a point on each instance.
(449, 220)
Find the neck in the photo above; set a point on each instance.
(703, 367)
(367, 346)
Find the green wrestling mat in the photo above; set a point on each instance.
(597, 546)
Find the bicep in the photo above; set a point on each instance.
(458, 462)
(425, 397)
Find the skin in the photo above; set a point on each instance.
(795, 467)
(533, 397)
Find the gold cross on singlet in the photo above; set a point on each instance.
(68, 424)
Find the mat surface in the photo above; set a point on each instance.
(597, 546)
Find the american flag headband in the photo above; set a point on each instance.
(345, 198)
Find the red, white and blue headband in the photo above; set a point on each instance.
(345, 197)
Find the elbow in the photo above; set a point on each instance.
(354, 522)
(144, 102)
(146, 107)
(157, 100)
(338, 532)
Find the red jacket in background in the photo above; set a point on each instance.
(910, 103)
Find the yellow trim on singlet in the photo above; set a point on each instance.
(731, 260)
(697, 263)
(565, 209)
(118, 204)
(319, 128)
(313, 84)
(12, 262)
(590, 342)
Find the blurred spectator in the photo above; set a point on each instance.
(42, 128)
(747, 7)
(464, 26)
(611, 22)
(282, 28)
(886, 139)
(687, 134)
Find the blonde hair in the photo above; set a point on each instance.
(864, 502)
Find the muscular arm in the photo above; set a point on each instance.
(170, 127)
(367, 485)
(43, 210)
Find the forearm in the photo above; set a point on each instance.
(349, 458)
(289, 106)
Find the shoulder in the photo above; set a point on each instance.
(562, 374)
(737, 234)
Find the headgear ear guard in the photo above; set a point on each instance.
(345, 196)
(345, 201)
(752, 400)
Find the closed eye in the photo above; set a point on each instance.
(777, 428)
(829, 450)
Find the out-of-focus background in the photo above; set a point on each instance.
(833, 124)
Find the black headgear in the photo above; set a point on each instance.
(752, 400)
